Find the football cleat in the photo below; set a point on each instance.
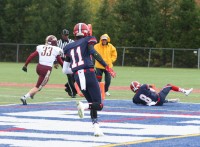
(187, 92)
(97, 131)
(32, 96)
(73, 96)
(68, 91)
(107, 93)
(172, 100)
(80, 108)
(23, 101)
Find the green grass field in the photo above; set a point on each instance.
(12, 73)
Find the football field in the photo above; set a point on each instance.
(51, 119)
(123, 123)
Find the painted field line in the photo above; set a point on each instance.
(150, 140)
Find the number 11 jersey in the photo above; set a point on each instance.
(80, 55)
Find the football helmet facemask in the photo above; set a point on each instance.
(135, 85)
(81, 30)
(51, 40)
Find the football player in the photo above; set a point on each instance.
(70, 88)
(47, 54)
(145, 94)
(79, 62)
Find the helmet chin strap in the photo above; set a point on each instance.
(135, 89)
(79, 37)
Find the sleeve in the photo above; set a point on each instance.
(92, 40)
(67, 58)
(66, 68)
(113, 54)
(65, 50)
(31, 56)
(58, 58)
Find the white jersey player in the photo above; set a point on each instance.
(47, 54)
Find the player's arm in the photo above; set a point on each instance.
(28, 60)
(98, 57)
(66, 66)
(59, 59)
(151, 87)
(147, 100)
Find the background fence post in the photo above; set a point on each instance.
(123, 56)
(172, 58)
(198, 57)
(149, 60)
(17, 54)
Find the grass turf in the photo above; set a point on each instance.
(12, 73)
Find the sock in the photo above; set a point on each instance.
(94, 120)
(181, 90)
(175, 88)
(96, 106)
(86, 105)
(27, 96)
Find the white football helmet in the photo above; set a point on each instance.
(51, 40)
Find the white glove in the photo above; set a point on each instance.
(66, 68)
(152, 103)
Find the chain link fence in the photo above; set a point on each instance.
(127, 56)
(158, 57)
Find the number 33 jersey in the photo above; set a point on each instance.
(48, 54)
(80, 55)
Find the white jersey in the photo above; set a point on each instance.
(48, 54)
(62, 43)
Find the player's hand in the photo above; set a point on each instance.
(24, 68)
(56, 66)
(152, 103)
(111, 71)
(152, 86)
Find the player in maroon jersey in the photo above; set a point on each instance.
(47, 54)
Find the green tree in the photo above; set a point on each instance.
(162, 29)
(186, 34)
(186, 24)
(79, 13)
(163, 22)
(49, 20)
(104, 22)
(124, 11)
(2, 20)
(136, 21)
(14, 20)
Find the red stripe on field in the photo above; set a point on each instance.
(12, 129)
(130, 119)
(168, 112)
(10, 84)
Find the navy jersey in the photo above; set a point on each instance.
(80, 54)
(145, 95)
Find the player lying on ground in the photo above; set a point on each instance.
(146, 95)
(79, 62)
(47, 54)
